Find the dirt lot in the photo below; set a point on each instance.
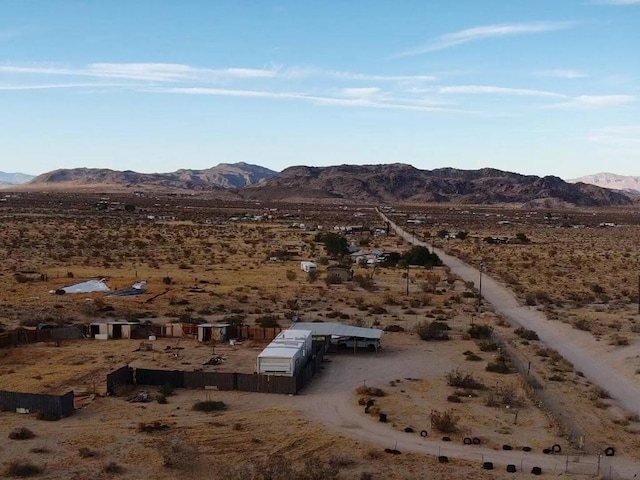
(209, 262)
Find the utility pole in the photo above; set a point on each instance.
(480, 287)
(407, 279)
(638, 293)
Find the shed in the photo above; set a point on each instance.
(341, 272)
(118, 330)
(283, 360)
(213, 331)
(97, 328)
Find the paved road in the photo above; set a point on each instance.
(574, 345)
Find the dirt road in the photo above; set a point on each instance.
(576, 346)
(330, 399)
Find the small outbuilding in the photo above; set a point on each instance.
(217, 332)
(117, 330)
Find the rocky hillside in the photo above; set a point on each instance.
(13, 178)
(221, 176)
(626, 183)
(400, 182)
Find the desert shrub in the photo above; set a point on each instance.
(166, 390)
(526, 334)
(487, 346)
(599, 392)
(112, 468)
(291, 275)
(498, 366)
(365, 282)
(40, 450)
(48, 416)
(473, 358)
(506, 395)
(332, 279)
(445, 422)
(583, 324)
(23, 469)
(312, 276)
(435, 330)
(177, 454)
(342, 460)
(479, 331)
(209, 406)
(456, 378)
(267, 321)
(86, 452)
(167, 280)
(378, 310)
(370, 391)
(161, 399)
(454, 399)
(21, 433)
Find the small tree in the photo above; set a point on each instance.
(419, 255)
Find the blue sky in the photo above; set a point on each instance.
(544, 87)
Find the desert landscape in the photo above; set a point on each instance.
(454, 379)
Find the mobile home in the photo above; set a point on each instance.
(283, 360)
(308, 267)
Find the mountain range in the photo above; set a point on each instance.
(7, 179)
(345, 184)
(625, 183)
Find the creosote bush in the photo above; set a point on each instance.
(435, 330)
(209, 406)
(22, 469)
(445, 422)
(21, 433)
(456, 378)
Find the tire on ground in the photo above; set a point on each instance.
(466, 440)
(424, 434)
(609, 451)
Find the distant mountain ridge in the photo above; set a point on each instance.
(405, 183)
(627, 183)
(222, 176)
(389, 183)
(14, 178)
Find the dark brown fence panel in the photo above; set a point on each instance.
(60, 405)
(224, 381)
(6, 340)
(122, 376)
(254, 333)
(267, 384)
(174, 378)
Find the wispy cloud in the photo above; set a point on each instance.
(301, 72)
(560, 73)
(617, 136)
(50, 86)
(596, 101)
(484, 89)
(484, 32)
(362, 102)
(158, 72)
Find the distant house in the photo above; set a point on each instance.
(341, 272)
(308, 266)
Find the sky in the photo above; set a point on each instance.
(542, 87)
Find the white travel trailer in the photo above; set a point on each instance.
(283, 360)
(308, 267)
(292, 337)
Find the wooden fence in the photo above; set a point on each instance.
(59, 405)
(23, 335)
(122, 376)
(223, 381)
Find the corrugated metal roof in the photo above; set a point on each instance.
(337, 329)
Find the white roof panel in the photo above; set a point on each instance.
(338, 330)
(280, 351)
